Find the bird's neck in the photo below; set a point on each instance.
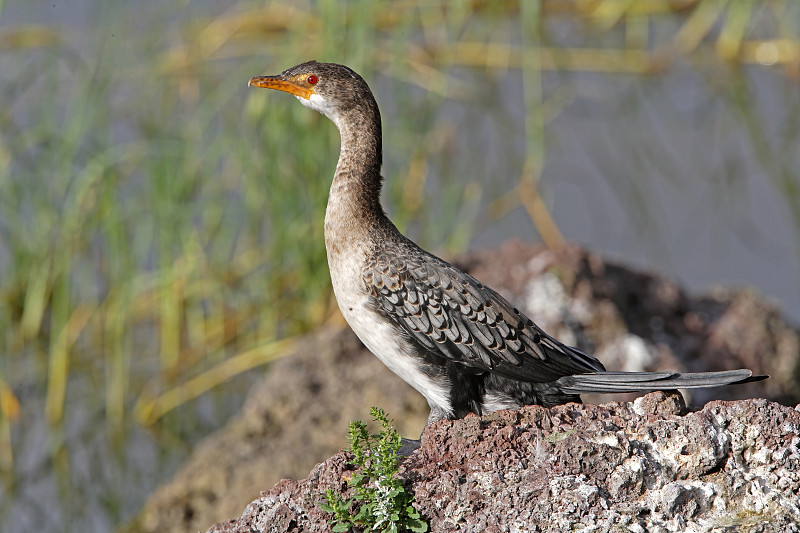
(354, 200)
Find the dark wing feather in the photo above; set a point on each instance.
(616, 382)
(453, 315)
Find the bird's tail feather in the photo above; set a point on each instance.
(618, 382)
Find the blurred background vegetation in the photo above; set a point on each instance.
(161, 224)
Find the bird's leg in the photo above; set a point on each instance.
(409, 446)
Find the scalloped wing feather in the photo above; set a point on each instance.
(455, 316)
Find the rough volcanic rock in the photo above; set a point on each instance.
(630, 466)
(631, 320)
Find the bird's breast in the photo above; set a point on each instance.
(380, 335)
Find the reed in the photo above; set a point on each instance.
(161, 226)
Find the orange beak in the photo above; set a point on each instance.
(275, 82)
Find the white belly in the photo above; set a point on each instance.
(381, 337)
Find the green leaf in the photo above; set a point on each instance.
(383, 503)
(416, 525)
(357, 480)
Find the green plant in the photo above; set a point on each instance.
(383, 504)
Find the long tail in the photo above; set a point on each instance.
(617, 382)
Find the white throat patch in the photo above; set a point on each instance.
(319, 104)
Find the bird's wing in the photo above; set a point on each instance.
(454, 315)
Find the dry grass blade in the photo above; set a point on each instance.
(58, 373)
(732, 34)
(150, 410)
(14, 39)
(539, 213)
(9, 413)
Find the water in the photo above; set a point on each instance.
(679, 174)
(662, 174)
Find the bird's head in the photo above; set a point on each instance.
(328, 88)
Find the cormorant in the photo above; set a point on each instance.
(458, 342)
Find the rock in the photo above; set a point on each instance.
(631, 320)
(611, 467)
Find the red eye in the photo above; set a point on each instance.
(312, 79)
